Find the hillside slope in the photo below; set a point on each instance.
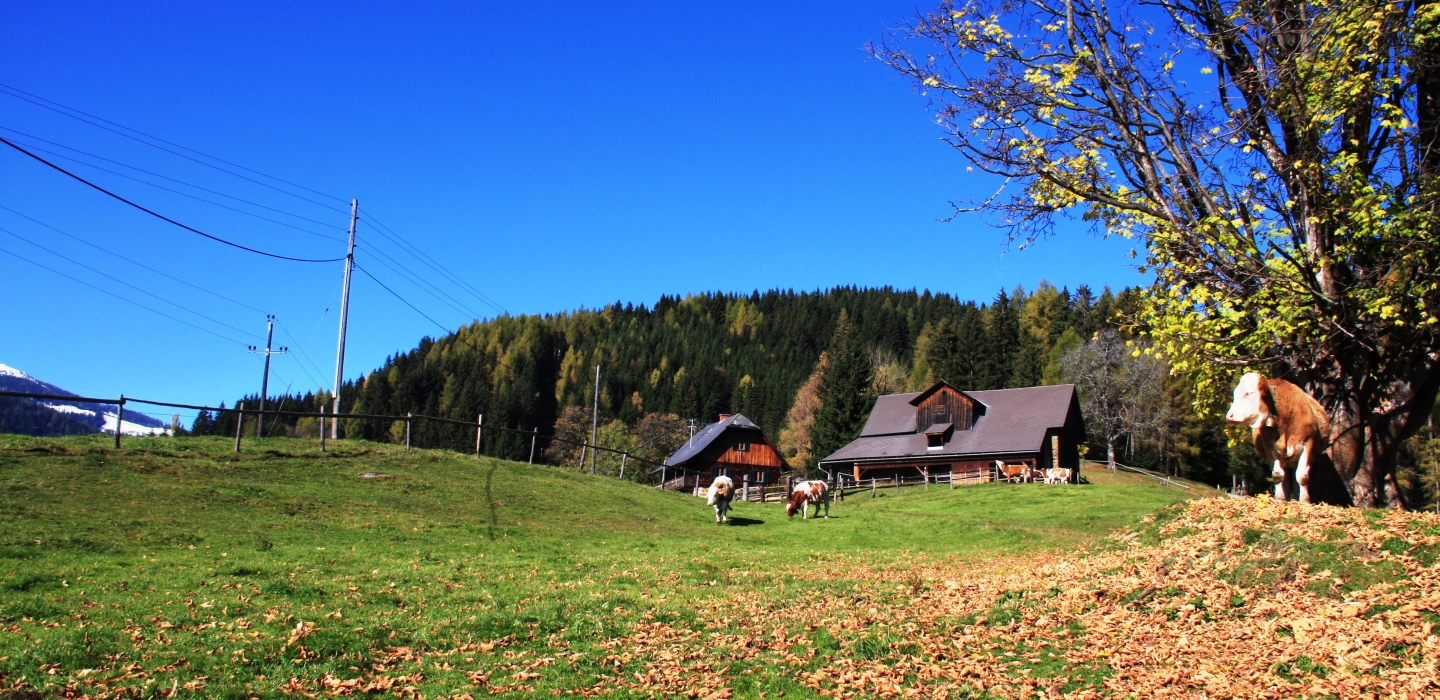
(176, 563)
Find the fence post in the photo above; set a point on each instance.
(408, 416)
(872, 487)
(927, 478)
(119, 420)
(534, 432)
(239, 424)
(479, 426)
(322, 428)
(745, 487)
(624, 456)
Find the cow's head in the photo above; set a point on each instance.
(1251, 405)
(798, 499)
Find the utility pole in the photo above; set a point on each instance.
(265, 380)
(344, 319)
(595, 421)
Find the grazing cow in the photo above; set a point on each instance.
(805, 493)
(1288, 426)
(719, 495)
(1057, 475)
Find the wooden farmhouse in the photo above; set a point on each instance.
(734, 447)
(943, 430)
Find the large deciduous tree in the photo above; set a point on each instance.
(1277, 157)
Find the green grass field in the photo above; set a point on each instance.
(176, 567)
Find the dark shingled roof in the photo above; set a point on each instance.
(1014, 420)
(707, 435)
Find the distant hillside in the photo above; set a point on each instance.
(25, 417)
(706, 354)
(48, 418)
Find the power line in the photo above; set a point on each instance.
(8, 90)
(127, 284)
(132, 262)
(402, 299)
(157, 215)
(186, 194)
(419, 281)
(303, 354)
(430, 262)
(457, 335)
(166, 177)
(117, 296)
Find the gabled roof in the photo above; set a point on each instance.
(920, 397)
(707, 435)
(1014, 420)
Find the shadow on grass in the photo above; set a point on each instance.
(745, 522)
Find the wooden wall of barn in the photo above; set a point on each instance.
(945, 406)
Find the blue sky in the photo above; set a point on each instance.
(551, 158)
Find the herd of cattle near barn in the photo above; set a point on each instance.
(946, 435)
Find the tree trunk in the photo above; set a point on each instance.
(1110, 454)
(1366, 434)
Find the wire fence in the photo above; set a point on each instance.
(410, 430)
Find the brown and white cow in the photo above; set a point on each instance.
(1289, 428)
(1057, 475)
(719, 495)
(1018, 472)
(804, 494)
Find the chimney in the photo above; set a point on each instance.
(723, 416)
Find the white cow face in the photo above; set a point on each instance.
(1248, 408)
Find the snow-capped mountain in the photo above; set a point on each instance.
(59, 417)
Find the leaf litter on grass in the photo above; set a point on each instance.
(1218, 598)
(1177, 608)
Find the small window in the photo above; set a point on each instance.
(742, 446)
(934, 442)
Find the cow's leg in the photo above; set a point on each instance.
(1302, 473)
(1277, 473)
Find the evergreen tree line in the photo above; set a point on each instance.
(805, 366)
(700, 356)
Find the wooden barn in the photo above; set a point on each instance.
(943, 430)
(734, 447)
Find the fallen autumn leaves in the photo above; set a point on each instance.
(1217, 598)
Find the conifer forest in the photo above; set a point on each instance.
(805, 366)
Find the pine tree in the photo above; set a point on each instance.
(845, 397)
(971, 349)
(1002, 336)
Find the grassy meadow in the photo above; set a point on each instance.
(175, 567)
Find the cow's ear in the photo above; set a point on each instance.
(1267, 393)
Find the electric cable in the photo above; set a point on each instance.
(127, 284)
(186, 194)
(498, 361)
(128, 301)
(419, 281)
(420, 255)
(402, 299)
(303, 354)
(162, 217)
(132, 262)
(166, 177)
(8, 90)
